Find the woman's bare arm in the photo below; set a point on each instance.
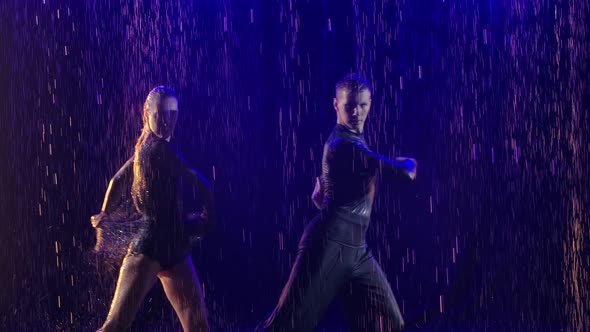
(112, 197)
(114, 192)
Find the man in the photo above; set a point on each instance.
(333, 259)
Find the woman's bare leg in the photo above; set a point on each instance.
(136, 277)
(183, 289)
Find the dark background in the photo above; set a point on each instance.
(491, 97)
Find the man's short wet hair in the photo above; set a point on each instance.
(353, 83)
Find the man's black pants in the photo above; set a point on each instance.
(325, 270)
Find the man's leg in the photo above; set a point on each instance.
(368, 299)
(315, 279)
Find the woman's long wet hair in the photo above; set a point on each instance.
(150, 106)
(115, 234)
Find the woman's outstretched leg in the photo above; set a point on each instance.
(183, 289)
(136, 277)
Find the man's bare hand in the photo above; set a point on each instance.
(409, 165)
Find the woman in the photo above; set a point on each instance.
(161, 249)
